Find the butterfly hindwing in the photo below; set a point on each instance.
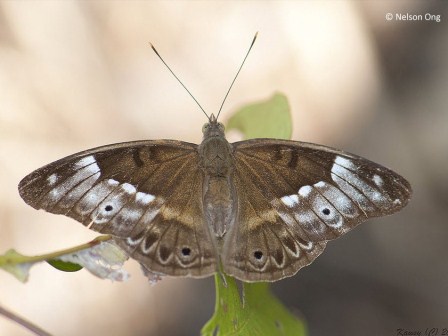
(146, 194)
(260, 247)
(176, 242)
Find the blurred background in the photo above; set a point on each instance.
(76, 75)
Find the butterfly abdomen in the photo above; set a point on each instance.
(220, 203)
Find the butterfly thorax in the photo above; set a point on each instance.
(217, 164)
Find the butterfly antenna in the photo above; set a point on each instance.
(234, 79)
(158, 55)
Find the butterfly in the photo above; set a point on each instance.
(258, 210)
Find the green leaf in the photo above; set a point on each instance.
(267, 119)
(65, 266)
(257, 312)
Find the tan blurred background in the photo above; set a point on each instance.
(75, 75)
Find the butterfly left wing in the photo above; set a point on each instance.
(146, 194)
(299, 196)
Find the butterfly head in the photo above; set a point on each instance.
(213, 128)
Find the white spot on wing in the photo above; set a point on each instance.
(77, 192)
(344, 162)
(318, 206)
(290, 201)
(125, 219)
(88, 163)
(52, 179)
(95, 195)
(344, 174)
(338, 199)
(144, 198)
(378, 180)
(353, 193)
(305, 217)
(55, 194)
(113, 182)
(326, 212)
(310, 222)
(108, 208)
(69, 183)
(117, 205)
(129, 188)
(305, 190)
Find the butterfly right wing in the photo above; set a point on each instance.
(146, 194)
(294, 197)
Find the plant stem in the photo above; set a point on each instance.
(24, 323)
(32, 259)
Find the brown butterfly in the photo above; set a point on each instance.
(258, 210)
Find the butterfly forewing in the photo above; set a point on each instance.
(146, 193)
(295, 196)
(323, 191)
